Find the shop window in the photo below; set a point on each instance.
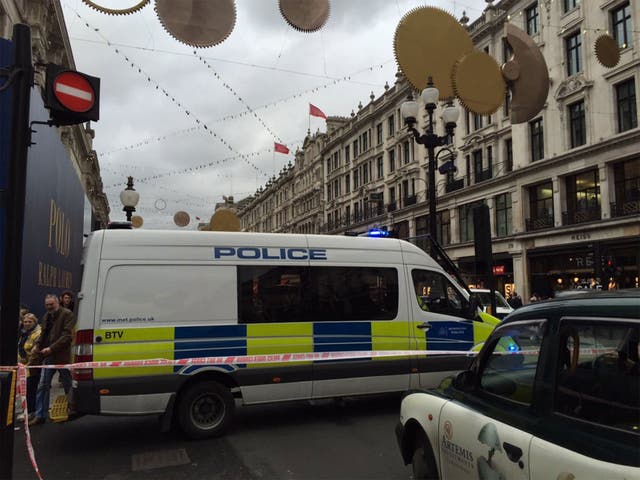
(583, 198)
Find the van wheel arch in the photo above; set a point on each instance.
(226, 384)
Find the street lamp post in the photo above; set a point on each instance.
(409, 111)
(129, 198)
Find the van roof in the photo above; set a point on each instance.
(120, 240)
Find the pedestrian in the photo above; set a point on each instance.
(516, 300)
(53, 347)
(29, 335)
(534, 298)
(66, 300)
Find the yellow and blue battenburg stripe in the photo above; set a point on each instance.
(176, 343)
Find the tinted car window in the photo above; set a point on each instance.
(599, 373)
(511, 369)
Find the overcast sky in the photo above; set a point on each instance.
(264, 64)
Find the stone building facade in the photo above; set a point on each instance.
(50, 44)
(563, 189)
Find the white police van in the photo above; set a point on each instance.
(178, 295)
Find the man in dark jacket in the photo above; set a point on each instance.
(54, 347)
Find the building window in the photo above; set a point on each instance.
(392, 160)
(406, 152)
(541, 206)
(583, 198)
(443, 227)
(569, 5)
(379, 133)
(365, 174)
(576, 124)
(347, 156)
(380, 165)
(621, 22)
(508, 155)
(355, 149)
(531, 15)
(627, 188)
(477, 165)
(329, 191)
(626, 102)
(391, 126)
(347, 183)
(573, 46)
(477, 121)
(337, 187)
(466, 220)
(537, 139)
(365, 143)
(467, 122)
(504, 221)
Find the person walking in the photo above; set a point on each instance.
(53, 347)
(29, 336)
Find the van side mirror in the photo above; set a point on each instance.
(464, 380)
(474, 303)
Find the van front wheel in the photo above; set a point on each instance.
(205, 409)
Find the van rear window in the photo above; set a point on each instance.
(297, 294)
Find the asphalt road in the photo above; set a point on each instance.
(351, 439)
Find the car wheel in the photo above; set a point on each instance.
(205, 409)
(423, 461)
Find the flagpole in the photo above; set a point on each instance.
(309, 130)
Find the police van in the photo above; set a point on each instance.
(183, 295)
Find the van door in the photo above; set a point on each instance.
(438, 310)
(359, 308)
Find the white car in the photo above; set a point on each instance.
(554, 394)
(484, 299)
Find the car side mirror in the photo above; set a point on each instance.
(464, 380)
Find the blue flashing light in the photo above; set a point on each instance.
(513, 348)
(376, 232)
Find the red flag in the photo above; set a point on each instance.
(316, 112)
(280, 148)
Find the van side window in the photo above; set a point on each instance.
(599, 373)
(435, 293)
(272, 294)
(354, 293)
(320, 294)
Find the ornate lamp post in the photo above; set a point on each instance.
(409, 111)
(129, 198)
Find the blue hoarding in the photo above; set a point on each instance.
(54, 214)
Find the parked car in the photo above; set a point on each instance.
(553, 394)
(484, 299)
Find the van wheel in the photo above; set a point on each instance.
(423, 462)
(205, 409)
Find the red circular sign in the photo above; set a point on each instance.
(74, 92)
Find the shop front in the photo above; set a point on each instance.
(502, 272)
(594, 265)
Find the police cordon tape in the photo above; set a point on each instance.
(239, 360)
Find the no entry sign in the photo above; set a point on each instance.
(74, 92)
(71, 97)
